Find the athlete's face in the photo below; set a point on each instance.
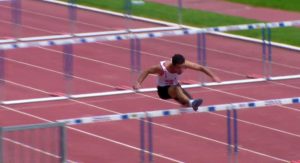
(178, 68)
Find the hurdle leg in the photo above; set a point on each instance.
(142, 140)
(235, 135)
(133, 59)
(68, 68)
(127, 14)
(150, 140)
(138, 55)
(1, 146)
(201, 53)
(16, 12)
(229, 143)
(179, 12)
(72, 15)
(2, 75)
(264, 58)
(204, 60)
(269, 34)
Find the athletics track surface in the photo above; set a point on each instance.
(268, 135)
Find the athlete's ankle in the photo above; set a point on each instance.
(191, 102)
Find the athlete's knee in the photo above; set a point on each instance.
(178, 89)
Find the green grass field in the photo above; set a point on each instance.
(168, 13)
(290, 5)
(194, 18)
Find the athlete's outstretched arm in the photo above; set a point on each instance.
(195, 66)
(152, 70)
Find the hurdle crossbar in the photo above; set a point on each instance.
(144, 35)
(143, 90)
(86, 34)
(172, 112)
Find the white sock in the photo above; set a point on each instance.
(191, 101)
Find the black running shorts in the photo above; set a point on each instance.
(163, 92)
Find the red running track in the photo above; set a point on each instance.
(266, 135)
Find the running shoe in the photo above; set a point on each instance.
(196, 103)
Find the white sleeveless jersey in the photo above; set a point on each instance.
(167, 78)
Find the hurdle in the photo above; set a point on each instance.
(232, 145)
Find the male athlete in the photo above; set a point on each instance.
(167, 84)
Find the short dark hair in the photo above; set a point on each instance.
(178, 59)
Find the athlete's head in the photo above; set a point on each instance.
(178, 59)
(177, 63)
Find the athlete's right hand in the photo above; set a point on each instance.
(136, 86)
